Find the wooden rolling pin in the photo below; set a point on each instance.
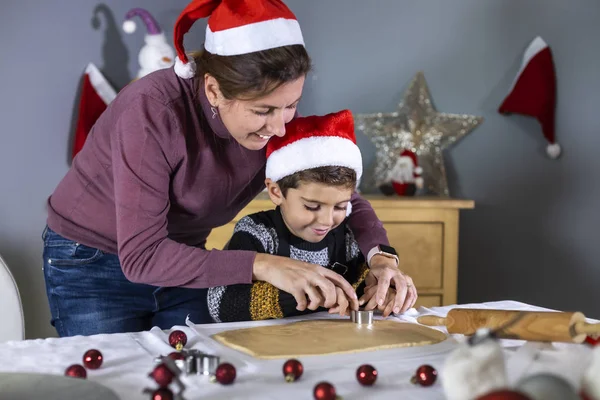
(538, 326)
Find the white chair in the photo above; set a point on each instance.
(12, 322)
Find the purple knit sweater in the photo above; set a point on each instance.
(156, 175)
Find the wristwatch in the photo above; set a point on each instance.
(384, 250)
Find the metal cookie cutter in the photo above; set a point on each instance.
(200, 363)
(362, 317)
(194, 362)
(207, 364)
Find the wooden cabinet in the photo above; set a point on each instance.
(424, 232)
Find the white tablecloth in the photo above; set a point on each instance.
(128, 358)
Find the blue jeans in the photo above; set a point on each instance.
(89, 294)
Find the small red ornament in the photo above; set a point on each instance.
(162, 375)
(162, 394)
(292, 370)
(224, 374)
(325, 391)
(504, 395)
(92, 359)
(592, 340)
(178, 339)
(426, 375)
(76, 371)
(366, 375)
(176, 355)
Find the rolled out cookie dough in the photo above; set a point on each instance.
(326, 337)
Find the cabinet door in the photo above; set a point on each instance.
(428, 301)
(420, 249)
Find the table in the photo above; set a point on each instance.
(128, 358)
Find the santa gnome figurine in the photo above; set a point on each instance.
(533, 92)
(406, 174)
(156, 53)
(96, 94)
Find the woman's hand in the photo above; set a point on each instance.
(312, 285)
(384, 273)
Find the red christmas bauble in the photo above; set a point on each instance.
(178, 339)
(162, 375)
(292, 370)
(592, 341)
(324, 391)
(366, 375)
(426, 375)
(504, 395)
(162, 394)
(225, 374)
(176, 355)
(76, 371)
(92, 359)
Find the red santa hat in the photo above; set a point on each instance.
(314, 141)
(236, 27)
(96, 94)
(534, 91)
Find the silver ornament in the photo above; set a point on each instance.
(547, 387)
(418, 127)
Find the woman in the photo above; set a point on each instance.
(177, 153)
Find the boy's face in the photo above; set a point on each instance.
(312, 210)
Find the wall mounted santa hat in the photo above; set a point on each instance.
(96, 94)
(534, 91)
(236, 27)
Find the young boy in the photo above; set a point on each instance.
(311, 174)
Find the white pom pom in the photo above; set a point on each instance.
(553, 150)
(591, 377)
(348, 209)
(472, 371)
(418, 170)
(185, 71)
(129, 26)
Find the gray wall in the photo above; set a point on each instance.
(530, 237)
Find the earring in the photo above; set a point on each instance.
(214, 112)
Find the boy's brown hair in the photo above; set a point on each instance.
(330, 175)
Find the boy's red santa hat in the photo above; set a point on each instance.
(236, 27)
(314, 141)
(534, 91)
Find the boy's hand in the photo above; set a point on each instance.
(383, 274)
(342, 305)
(388, 305)
(311, 285)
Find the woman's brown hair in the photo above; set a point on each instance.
(253, 75)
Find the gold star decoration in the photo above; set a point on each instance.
(418, 127)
